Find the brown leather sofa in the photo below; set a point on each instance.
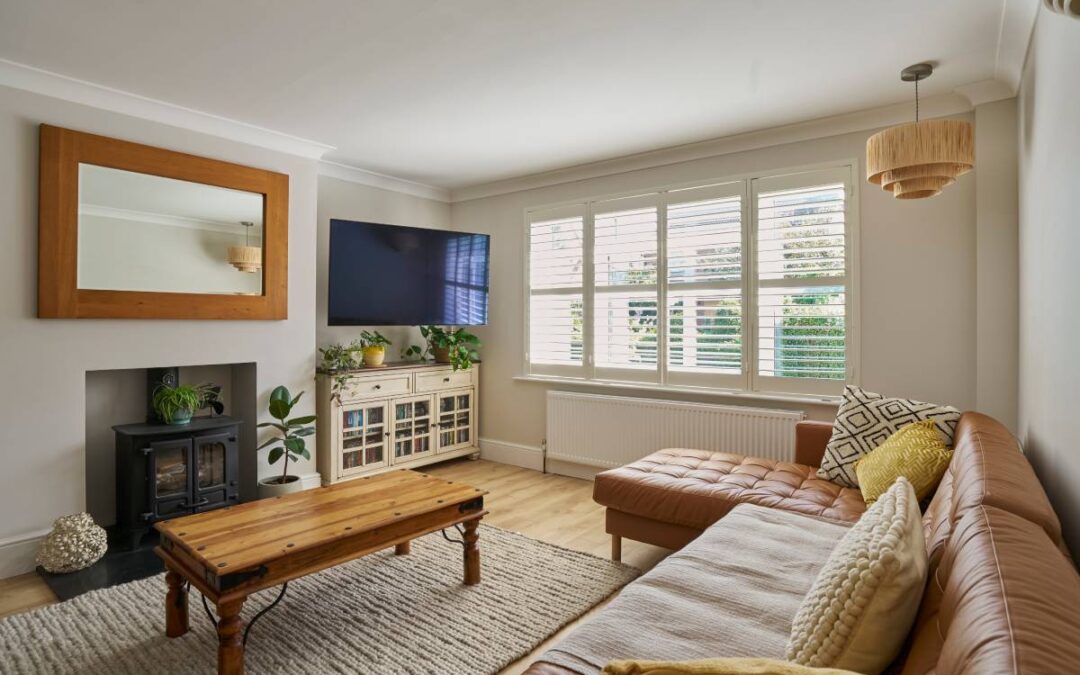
(1003, 595)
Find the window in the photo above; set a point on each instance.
(740, 286)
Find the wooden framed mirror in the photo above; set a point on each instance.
(130, 231)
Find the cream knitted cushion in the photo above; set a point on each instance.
(862, 604)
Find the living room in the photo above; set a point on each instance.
(656, 310)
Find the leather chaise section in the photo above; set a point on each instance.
(695, 488)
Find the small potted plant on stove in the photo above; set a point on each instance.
(177, 404)
(288, 445)
(374, 346)
(455, 346)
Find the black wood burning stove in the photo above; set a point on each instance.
(164, 471)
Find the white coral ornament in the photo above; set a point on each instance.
(76, 542)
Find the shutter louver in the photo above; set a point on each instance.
(556, 294)
(625, 326)
(802, 283)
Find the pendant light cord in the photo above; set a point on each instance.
(916, 100)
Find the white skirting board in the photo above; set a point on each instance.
(516, 454)
(17, 553)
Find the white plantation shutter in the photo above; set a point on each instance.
(625, 250)
(802, 275)
(704, 327)
(556, 291)
(737, 286)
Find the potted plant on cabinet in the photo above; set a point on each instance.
(455, 346)
(177, 405)
(373, 347)
(337, 361)
(291, 439)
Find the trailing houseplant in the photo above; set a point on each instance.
(177, 405)
(337, 361)
(373, 346)
(455, 346)
(288, 445)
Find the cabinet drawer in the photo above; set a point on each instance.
(446, 379)
(373, 387)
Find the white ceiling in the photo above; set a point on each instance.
(454, 93)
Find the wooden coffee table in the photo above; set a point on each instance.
(233, 552)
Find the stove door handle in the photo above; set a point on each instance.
(196, 505)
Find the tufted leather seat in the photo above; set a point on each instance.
(695, 488)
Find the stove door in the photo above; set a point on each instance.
(170, 478)
(215, 462)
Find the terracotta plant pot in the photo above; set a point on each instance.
(374, 356)
(441, 354)
(268, 487)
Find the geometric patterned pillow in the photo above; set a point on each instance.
(863, 422)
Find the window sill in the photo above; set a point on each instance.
(814, 399)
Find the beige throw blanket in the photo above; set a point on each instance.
(731, 592)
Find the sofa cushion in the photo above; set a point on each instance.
(916, 452)
(863, 602)
(737, 666)
(1004, 599)
(989, 469)
(695, 488)
(863, 422)
(731, 592)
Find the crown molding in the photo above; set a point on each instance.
(1014, 37)
(167, 219)
(54, 85)
(355, 174)
(873, 118)
(985, 91)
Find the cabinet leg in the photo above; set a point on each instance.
(403, 548)
(472, 552)
(230, 630)
(176, 605)
(616, 548)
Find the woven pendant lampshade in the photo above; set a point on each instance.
(246, 258)
(918, 160)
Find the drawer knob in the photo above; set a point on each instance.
(378, 386)
(446, 379)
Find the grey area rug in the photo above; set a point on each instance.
(381, 614)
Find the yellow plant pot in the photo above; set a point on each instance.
(374, 356)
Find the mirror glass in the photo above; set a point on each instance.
(139, 232)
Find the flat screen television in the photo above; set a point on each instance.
(388, 275)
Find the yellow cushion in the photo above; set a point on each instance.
(742, 666)
(916, 452)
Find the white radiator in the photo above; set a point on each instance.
(609, 431)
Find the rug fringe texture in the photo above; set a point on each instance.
(382, 614)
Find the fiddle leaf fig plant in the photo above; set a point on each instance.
(289, 444)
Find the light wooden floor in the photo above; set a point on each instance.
(551, 508)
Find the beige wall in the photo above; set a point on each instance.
(1049, 129)
(917, 288)
(997, 261)
(353, 201)
(44, 362)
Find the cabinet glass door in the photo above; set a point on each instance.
(455, 419)
(363, 436)
(412, 428)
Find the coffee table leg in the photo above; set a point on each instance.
(230, 630)
(176, 605)
(403, 548)
(472, 552)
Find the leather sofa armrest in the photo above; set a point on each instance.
(811, 437)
